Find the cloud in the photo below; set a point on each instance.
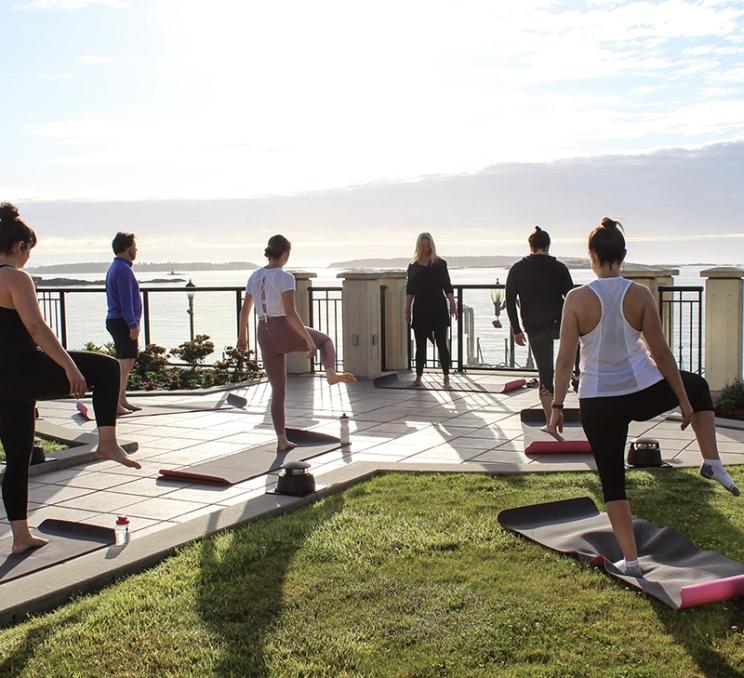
(93, 59)
(70, 4)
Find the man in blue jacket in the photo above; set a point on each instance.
(124, 310)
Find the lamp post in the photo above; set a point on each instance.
(496, 298)
(190, 294)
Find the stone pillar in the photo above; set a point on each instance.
(299, 363)
(723, 325)
(654, 278)
(362, 323)
(396, 327)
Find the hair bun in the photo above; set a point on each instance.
(538, 229)
(268, 252)
(610, 224)
(8, 212)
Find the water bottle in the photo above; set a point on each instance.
(121, 531)
(345, 440)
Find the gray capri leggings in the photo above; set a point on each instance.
(277, 337)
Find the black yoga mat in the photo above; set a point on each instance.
(255, 461)
(539, 442)
(485, 384)
(675, 571)
(67, 540)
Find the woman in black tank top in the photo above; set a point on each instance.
(34, 366)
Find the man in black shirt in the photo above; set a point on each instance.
(540, 282)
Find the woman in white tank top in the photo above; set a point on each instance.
(628, 373)
(280, 331)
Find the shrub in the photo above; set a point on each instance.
(731, 400)
(194, 352)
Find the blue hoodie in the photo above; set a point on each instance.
(123, 293)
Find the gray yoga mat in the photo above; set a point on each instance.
(485, 383)
(255, 461)
(676, 572)
(67, 540)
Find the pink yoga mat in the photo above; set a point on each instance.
(559, 447)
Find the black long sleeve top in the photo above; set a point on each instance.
(541, 283)
(429, 286)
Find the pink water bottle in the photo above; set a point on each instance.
(121, 531)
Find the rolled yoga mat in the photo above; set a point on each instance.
(486, 384)
(539, 442)
(675, 571)
(67, 540)
(255, 461)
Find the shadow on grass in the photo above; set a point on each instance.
(239, 594)
(705, 525)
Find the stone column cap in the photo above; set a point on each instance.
(650, 272)
(302, 275)
(723, 272)
(371, 274)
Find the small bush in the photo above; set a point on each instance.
(731, 400)
(194, 352)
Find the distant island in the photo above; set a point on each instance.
(464, 262)
(74, 282)
(170, 266)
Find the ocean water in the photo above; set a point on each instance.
(215, 312)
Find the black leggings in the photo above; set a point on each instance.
(38, 377)
(542, 351)
(606, 421)
(440, 337)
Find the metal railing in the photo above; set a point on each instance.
(681, 311)
(326, 316)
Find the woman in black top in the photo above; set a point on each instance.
(541, 283)
(34, 366)
(428, 288)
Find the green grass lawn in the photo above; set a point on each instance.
(401, 576)
(48, 445)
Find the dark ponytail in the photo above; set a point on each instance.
(539, 239)
(607, 242)
(13, 230)
(277, 246)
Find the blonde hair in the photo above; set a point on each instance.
(419, 247)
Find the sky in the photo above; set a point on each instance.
(122, 102)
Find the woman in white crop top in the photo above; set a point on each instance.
(280, 331)
(628, 373)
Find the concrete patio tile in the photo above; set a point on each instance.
(171, 443)
(243, 497)
(61, 476)
(203, 493)
(206, 510)
(150, 469)
(473, 443)
(249, 438)
(96, 480)
(160, 508)
(501, 455)
(442, 454)
(55, 494)
(101, 501)
(38, 516)
(148, 487)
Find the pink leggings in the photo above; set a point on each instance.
(277, 337)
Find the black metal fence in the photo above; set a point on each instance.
(681, 311)
(480, 340)
(326, 316)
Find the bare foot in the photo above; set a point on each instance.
(282, 449)
(132, 408)
(27, 543)
(121, 411)
(416, 382)
(345, 377)
(555, 435)
(116, 453)
(447, 384)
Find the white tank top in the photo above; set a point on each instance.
(614, 359)
(266, 286)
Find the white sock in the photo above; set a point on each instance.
(713, 470)
(629, 567)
